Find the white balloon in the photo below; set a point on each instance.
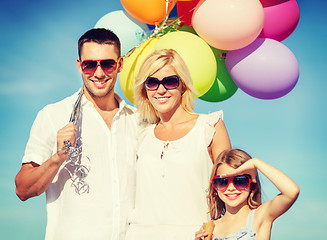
(130, 31)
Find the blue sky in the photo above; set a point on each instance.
(38, 47)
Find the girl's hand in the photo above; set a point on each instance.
(201, 234)
(249, 167)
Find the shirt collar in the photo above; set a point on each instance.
(121, 102)
(123, 105)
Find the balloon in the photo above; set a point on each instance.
(265, 69)
(132, 65)
(188, 29)
(185, 11)
(197, 55)
(223, 86)
(130, 31)
(281, 18)
(148, 11)
(228, 24)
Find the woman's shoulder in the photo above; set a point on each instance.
(211, 118)
(144, 128)
(207, 123)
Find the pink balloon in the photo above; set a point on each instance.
(228, 24)
(281, 18)
(265, 69)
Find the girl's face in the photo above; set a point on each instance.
(231, 196)
(163, 100)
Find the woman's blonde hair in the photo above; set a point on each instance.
(234, 158)
(153, 63)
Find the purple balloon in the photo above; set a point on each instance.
(264, 69)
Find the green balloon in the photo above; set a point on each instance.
(188, 29)
(223, 86)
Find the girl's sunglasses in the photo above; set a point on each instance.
(107, 65)
(169, 83)
(241, 182)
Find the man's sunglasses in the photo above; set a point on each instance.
(107, 65)
(169, 83)
(241, 182)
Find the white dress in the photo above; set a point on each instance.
(172, 179)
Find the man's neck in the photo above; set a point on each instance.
(103, 104)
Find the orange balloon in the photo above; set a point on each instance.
(148, 11)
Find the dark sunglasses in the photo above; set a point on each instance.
(241, 182)
(169, 83)
(107, 65)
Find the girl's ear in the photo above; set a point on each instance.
(254, 176)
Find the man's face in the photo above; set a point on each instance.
(99, 83)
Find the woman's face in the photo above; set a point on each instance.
(163, 100)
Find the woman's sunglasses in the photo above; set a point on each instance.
(107, 65)
(169, 83)
(241, 182)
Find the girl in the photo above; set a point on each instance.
(235, 197)
(174, 154)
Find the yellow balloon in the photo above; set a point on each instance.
(196, 53)
(131, 67)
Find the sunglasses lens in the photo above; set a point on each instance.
(220, 183)
(171, 82)
(89, 66)
(241, 182)
(151, 83)
(109, 65)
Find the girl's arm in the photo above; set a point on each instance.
(289, 190)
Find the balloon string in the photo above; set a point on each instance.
(160, 29)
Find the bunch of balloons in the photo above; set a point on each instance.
(226, 44)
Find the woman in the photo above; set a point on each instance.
(175, 153)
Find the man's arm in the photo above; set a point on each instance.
(33, 179)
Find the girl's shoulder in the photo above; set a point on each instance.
(261, 223)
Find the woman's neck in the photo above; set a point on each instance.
(179, 116)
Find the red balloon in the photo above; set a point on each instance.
(185, 11)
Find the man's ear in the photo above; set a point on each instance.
(78, 62)
(120, 64)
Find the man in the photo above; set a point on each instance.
(91, 195)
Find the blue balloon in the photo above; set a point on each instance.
(130, 31)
